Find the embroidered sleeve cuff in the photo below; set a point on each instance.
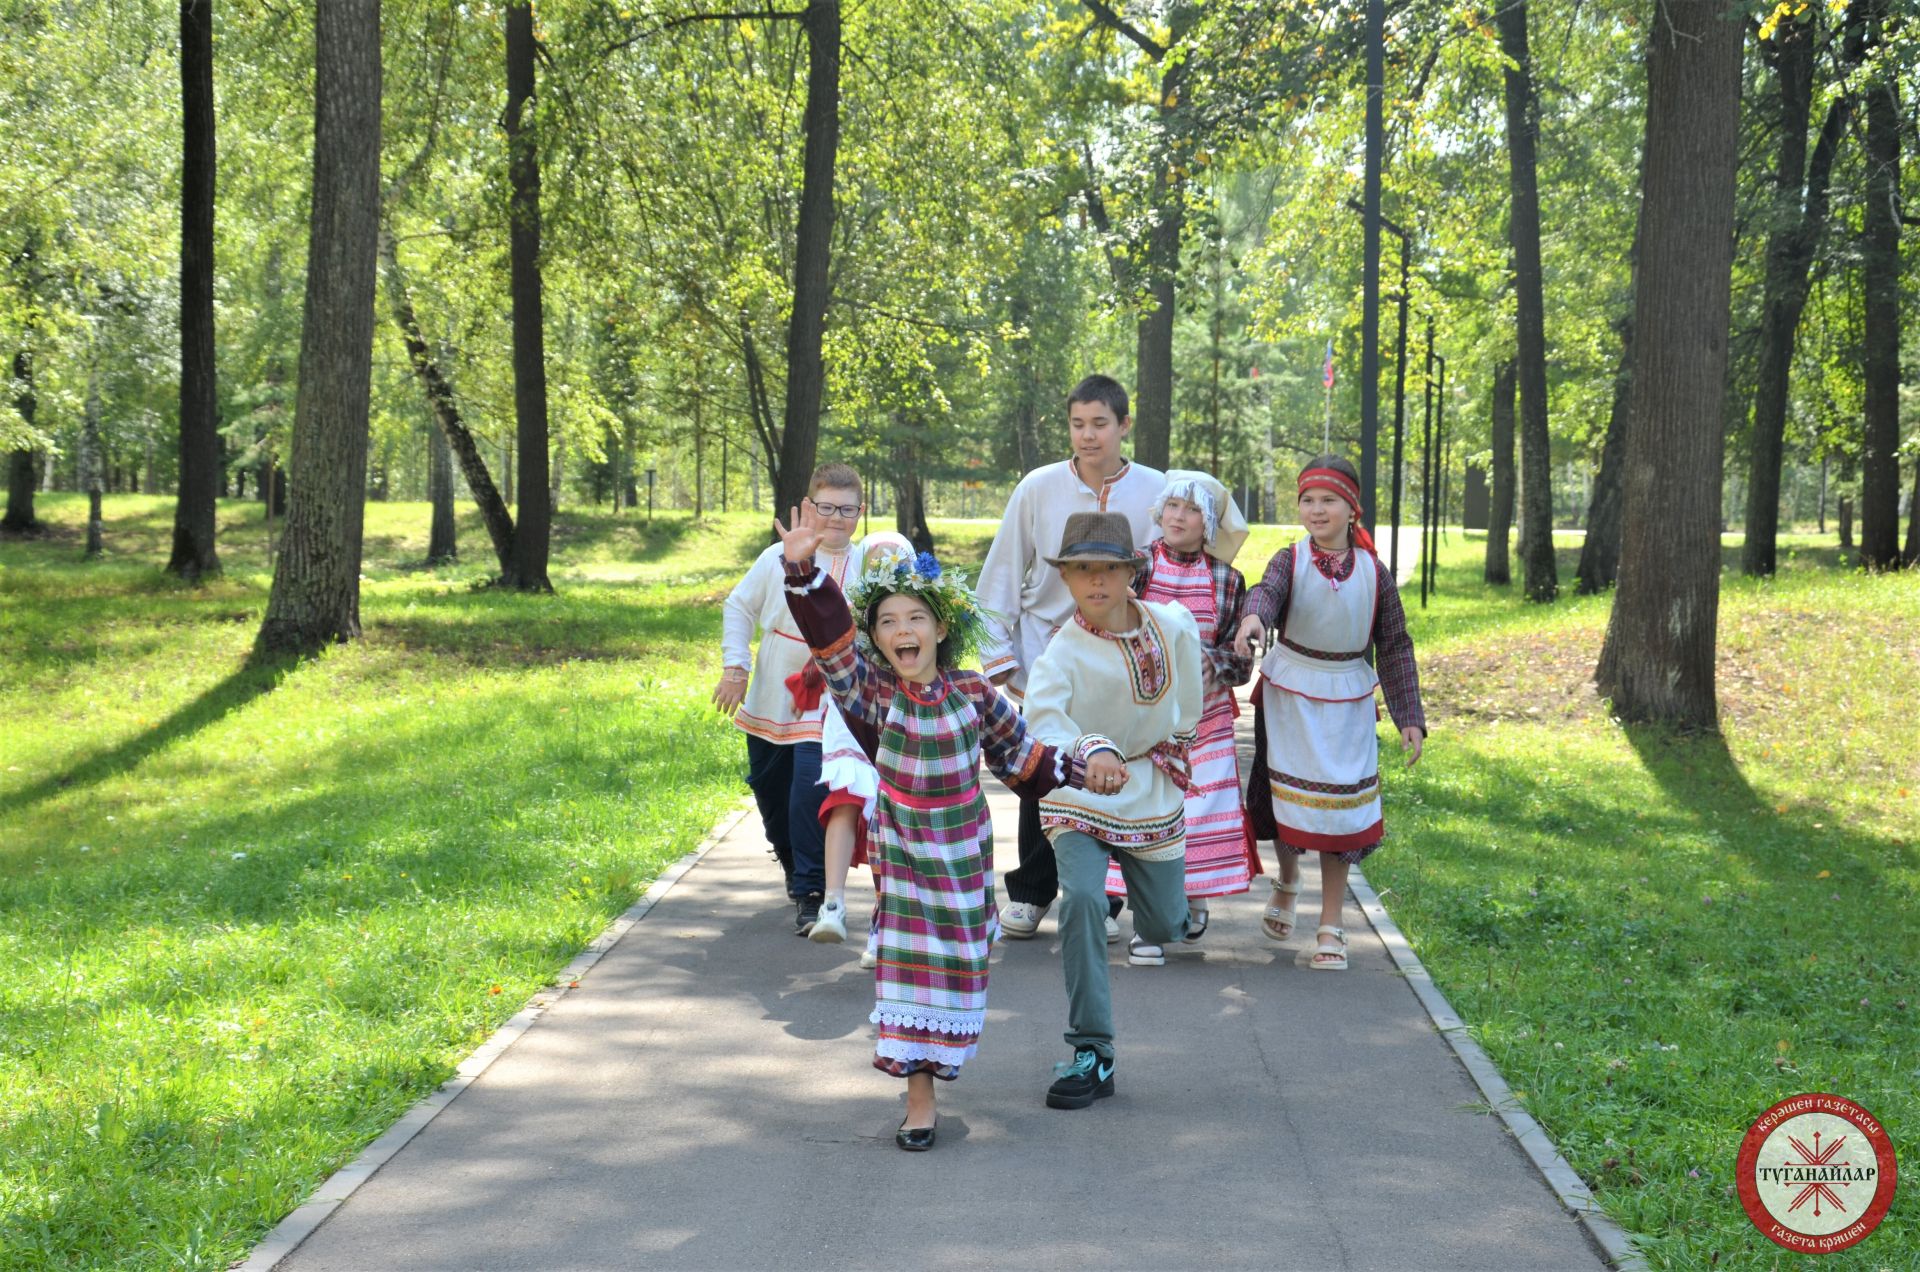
(995, 664)
(1091, 744)
(803, 577)
(1070, 770)
(1185, 738)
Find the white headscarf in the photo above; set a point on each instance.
(1226, 527)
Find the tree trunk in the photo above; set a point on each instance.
(1599, 566)
(442, 542)
(316, 583)
(1523, 125)
(1799, 222)
(1153, 388)
(1657, 663)
(194, 555)
(1845, 516)
(910, 497)
(1880, 263)
(1500, 505)
(445, 409)
(813, 245)
(1911, 556)
(527, 569)
(22, 472)
(90, 465)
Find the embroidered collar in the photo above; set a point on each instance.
(1073, 466)
(1132, 633)
(1336, 567)
(926, 695)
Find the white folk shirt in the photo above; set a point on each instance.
(1090, 690)
(1017, 583)
(758, 603)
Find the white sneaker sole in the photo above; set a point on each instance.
(827, 932)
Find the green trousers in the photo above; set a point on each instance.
(1157, 895)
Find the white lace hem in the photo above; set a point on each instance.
(955, 1056)
(931, 1019)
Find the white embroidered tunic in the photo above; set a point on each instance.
(758, 603)
(1134, 692)
(1016, 582)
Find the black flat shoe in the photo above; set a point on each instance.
(919, 1139)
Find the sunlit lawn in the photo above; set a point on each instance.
(250, 914)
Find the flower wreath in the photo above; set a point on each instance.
(946, 593)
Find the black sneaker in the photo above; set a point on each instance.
(1086, 1079)
(806, 910)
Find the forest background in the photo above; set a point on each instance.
(1020, 194)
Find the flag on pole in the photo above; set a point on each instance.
(1326, 370)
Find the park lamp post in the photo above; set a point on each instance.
(1370, 264)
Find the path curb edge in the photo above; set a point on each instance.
(1560, 1176)
(292, 1231)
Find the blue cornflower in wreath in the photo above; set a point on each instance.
(945, 592)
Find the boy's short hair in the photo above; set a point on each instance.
(836, 477)
(1103, 389)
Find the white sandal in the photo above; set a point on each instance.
(1329, 958)
(1279, 916)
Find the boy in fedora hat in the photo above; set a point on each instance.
(1017, 582)
(1119, 687)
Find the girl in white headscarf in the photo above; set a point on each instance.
(1191, 564)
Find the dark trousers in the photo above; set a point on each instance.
(786, 786)
(1036, 880)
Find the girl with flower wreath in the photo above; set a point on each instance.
(1325, 602)
(931, 836)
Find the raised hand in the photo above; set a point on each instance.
(799, 543)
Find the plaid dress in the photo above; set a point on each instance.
(930, 841)
(1221, 859)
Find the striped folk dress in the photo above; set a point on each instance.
(930, 840)
(1220, 854)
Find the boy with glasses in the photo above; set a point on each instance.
(775, 698)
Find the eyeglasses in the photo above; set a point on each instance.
(835, 510)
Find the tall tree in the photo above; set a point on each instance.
(1599, 565)
(528, 570)
(442, 541)
(316, 581)
(1657, 663)
(22, 471)
(201, 473)
(1153, 272)
(1500, 503)
(812, 254)
(1880, 264)
(1523, 127)
(1798, 222)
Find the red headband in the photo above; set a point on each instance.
(1331, 479)
(1342, 485)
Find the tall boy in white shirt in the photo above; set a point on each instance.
(1017, 582)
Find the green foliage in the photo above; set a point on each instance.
(251, 913)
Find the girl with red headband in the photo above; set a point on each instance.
(1325, 602)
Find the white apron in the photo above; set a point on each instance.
(1323, 756)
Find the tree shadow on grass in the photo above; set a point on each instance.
(259, 674)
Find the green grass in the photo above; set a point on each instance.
(1657, 937)
(250, 914)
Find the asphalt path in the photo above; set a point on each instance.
(705, 1099)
